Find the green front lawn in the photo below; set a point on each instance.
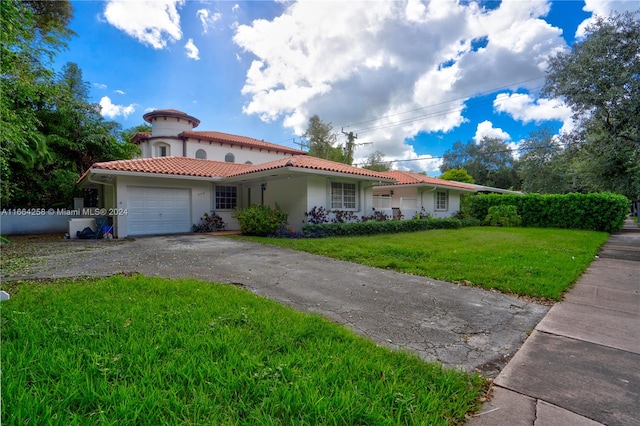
(148, 351)
(524, 261)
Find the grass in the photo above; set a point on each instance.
(138, 350)
(541, 263)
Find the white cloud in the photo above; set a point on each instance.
(110, 110)
(397, 68)
(486, 129)
(235, 8)
(153, 22)
(120, 92)
(208, 19)
(192, 50)
(100, 86)
(604, 8)
(525, 108)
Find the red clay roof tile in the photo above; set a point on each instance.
(184, 166)
(314, 163)
(227, 138)
(408, 178)
(180, 166)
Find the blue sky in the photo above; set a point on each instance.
(409, 77)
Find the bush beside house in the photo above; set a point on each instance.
(596, 212)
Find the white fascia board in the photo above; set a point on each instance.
(301, 170)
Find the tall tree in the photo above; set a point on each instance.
(32, 33)
(600, 80)
(322, 140)
(490, 162)
(375, 161)
(543, 165)
(76, 136)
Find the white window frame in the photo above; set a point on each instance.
(442, 205)
(341, 198)
(225, 197)
(202, 154)
(230, 157)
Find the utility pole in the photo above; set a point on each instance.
(351, 137)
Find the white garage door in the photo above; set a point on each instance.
(158, 210)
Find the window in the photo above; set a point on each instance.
(343, 195)
(226, 197)
(441, 200)
(201, 153)
(248, 162)
(230, 158)
(162, 151)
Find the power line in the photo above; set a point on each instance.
(434, 105)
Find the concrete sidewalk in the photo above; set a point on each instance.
(581, 364)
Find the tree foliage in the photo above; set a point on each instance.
(599, 78)
(458, 175)
(50, 132)
(375, 161)
(323, 142)
(489, 162)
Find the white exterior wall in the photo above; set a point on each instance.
(169, 126)
(291, 196)
(425, 197)
(201, 201)
(242, 154)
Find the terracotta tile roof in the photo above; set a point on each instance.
(180, 166)
(408, 178)
(184, 166)
(314, 163)
(170, 113)
(227, 138)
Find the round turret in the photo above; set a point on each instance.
(170, 122)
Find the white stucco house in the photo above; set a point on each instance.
(183, 173)
(414, 193)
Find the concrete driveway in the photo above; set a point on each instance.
(461, 327)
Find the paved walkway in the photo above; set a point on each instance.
(581, 364)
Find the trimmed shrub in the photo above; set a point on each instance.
(503, 215)
(261, 220)
(209, 223)
(374, 227)
(596, 212)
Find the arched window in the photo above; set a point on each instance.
(248, 162)
(201, 153)
(162, 150)
(230, 158)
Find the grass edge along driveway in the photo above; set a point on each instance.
(139, 350)
(536, 262)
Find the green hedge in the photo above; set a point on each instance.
(596, 212)
(384, 227)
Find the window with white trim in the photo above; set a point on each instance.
(162, 150)
(343, 195)
(226, 197)
(202, 154)
(442, 198)
(230, 158)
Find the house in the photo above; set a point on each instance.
(183, 173)
(414, 193)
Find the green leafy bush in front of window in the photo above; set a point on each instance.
(261, 221)
(504, 215)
